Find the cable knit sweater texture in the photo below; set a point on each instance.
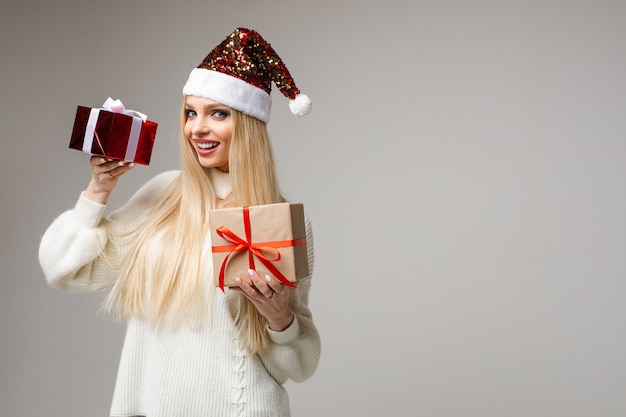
(190, 372)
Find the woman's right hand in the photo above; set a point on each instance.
(105, 174)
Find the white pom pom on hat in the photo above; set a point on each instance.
(301, 105)
(239, 73)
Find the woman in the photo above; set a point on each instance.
(191, 350)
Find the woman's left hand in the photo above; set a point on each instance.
(270, 297)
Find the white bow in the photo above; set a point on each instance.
(116, 106)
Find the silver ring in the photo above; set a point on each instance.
(269, 297)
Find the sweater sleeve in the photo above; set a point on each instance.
(76, 252)
(294, 353)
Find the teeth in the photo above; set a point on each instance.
(207, 145)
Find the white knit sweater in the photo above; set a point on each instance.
(187, 372)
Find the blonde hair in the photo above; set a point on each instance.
(178, 288)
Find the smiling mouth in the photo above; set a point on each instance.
(207, 146)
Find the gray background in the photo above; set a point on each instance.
(463, 168)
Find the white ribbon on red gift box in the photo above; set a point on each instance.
(115, 106)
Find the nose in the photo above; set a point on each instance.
(199, 127)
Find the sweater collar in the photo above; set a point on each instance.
(221, 182)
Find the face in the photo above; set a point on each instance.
(209, 126)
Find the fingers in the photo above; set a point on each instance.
(260, 287)
(271, 298)
(108, 170)
(105, 174)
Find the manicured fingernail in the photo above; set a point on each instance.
(110, 159)
(121, 163)
(132, 164)
(251, 273)
(102, 160)
(238, 281)
(268, 278)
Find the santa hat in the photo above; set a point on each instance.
(239, 73)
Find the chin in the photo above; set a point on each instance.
(212, 164)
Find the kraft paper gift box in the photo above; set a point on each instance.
(114, 132)
(270, 239)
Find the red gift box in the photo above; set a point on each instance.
(113, 132)
(270, 239)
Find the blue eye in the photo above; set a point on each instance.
(190, 113)
(220, 114)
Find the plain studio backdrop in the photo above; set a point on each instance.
(462, 167)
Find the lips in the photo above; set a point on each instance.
(206, 146)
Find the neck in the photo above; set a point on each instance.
(221, 182)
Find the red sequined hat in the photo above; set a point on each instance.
(239, 73)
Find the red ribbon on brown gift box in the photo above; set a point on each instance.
(258, 249)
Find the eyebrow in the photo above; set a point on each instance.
(206, 106)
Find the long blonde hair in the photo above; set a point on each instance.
(178, 288)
